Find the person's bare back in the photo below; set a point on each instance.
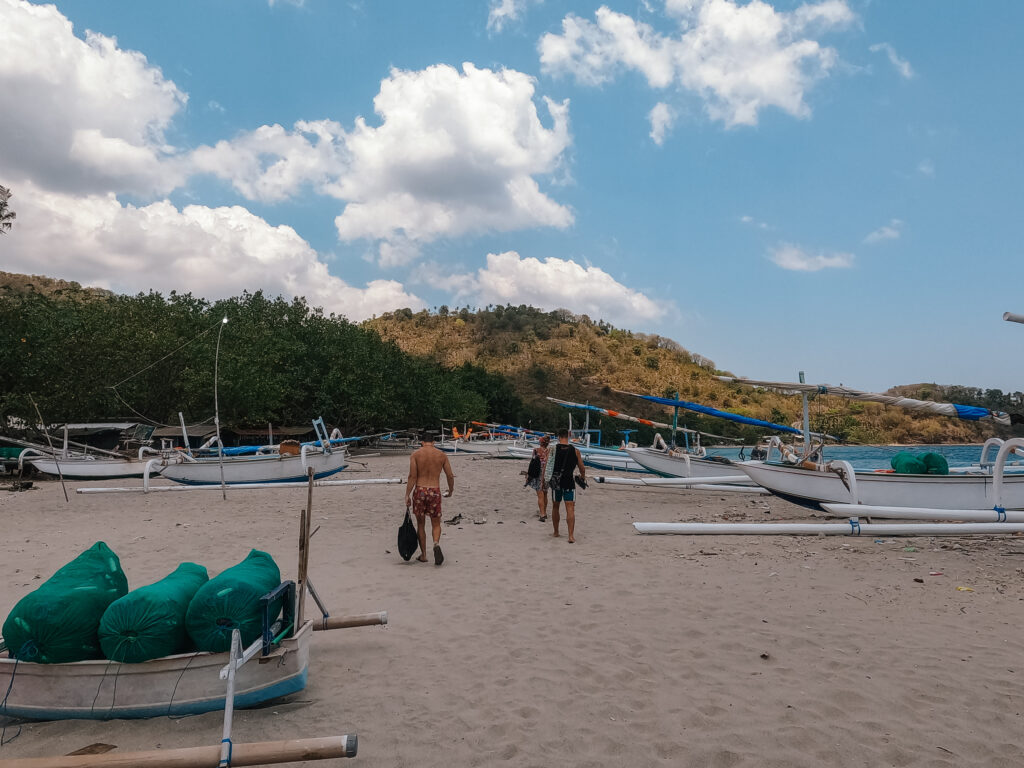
(426, 465)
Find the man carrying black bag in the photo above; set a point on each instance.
(423, 492)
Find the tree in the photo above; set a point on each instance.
(7, 216)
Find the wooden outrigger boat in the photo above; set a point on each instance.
(183, 684)
(187, 683)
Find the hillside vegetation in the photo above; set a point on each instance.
(84, 354)
(572, 357)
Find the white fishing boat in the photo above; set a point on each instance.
(75, 461)
(274, 467)
(681, 464)
(610, 459)
(89, 467)
(987, 487)
(183, 684)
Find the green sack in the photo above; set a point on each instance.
(59, 621)
(908, 464)
(231, 600)
(935, 464)
(149, 622)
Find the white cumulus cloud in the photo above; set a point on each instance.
(795, 258)
(271, 164)
(738, 58)
(554, 284)
(455, 153)
(212, 252)
(901, 65)
(890, 231)
(662, 118)
(81, 115)
(503, 12)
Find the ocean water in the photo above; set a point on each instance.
(879, 457)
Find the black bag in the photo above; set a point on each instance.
(408, 539)
(533, 471)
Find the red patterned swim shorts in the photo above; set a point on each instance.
(426, 501)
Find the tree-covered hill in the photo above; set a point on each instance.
(86, 354)
(573, 357)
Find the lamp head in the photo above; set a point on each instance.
(225, 320)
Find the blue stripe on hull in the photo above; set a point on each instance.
(242, 701)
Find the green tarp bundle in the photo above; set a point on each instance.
(59, 621)
(936, 463)
(908, 464)
(926, 464)
(232, 600)
(149, 622)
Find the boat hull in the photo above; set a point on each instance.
(661, 463)
(888, 489)
(609, 462)
(255, 469)
(185, 684)
(90, 469)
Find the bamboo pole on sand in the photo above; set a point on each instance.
(303, 570)
(255, 753)
(345, 622)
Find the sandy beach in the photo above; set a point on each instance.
(618, 650)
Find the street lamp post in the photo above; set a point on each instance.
(216, 410)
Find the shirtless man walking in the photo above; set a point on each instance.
(423, 492)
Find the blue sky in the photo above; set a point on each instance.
(828, 186)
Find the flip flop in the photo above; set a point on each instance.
(438, 556)
(543, 519)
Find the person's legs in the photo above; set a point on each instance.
(556, 502)
(435, 531)
(421, 530)
(542, 503)
(570, 519)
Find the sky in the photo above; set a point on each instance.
(832, 187)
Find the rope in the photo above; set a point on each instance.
(175, 689)
(155, 362)
(147, 419)
(28, 650)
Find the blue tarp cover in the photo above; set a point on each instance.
(720, 414)
(971, 412)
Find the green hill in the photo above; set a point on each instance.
(284, 362)
(574, 358)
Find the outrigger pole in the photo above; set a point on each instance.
(853, 527)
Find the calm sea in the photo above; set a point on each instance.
(878, 457)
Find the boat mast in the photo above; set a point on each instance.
(807, 421)
(216, 411)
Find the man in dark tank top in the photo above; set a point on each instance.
(562, 465)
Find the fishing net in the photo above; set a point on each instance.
(231, 600)
(59, 621)
(149, 622)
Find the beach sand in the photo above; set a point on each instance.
(618, 650)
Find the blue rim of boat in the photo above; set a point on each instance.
(278, 689)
